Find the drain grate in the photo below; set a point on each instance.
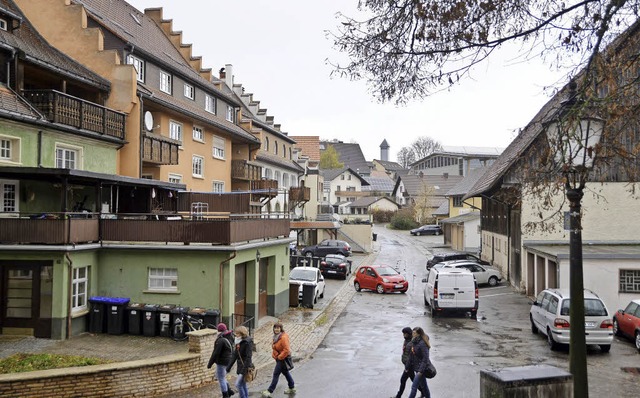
(631, 370)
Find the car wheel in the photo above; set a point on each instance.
(552, 343)
(380, 289)
(438, 233)
(426, 302)
(616, 327)
(534, 328)
(493, 281)
(308, 254)
(638, 340)
(417, 233)
(357, 286)
(322, 294)
(315, 299)
(605, 348)
(434, 314)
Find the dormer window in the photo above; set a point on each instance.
(3, 24)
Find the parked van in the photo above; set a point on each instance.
(451, 289)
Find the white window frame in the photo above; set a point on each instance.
(9, 149)
(175, 130)
(175, 178)
(3, 24)
(230, 114)
(10, 197)
(67, 149)
(162, 279)
(165, 82)
(197, 166)
(217, 186)
(79, 300)
(210, 103)
(138, 65)
(218, 148)
(198, 133)
(189, 91)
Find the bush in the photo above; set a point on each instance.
(403, 220)
(382, 216)
(29, 362)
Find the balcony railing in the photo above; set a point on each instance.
(243, 170)
(159, 150)
(65, 109)
(299, 194)
(74, 228)
(48, 229)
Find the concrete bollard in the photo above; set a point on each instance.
(540, 381)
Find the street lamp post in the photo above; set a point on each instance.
(573, 137)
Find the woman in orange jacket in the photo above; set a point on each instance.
(281, 350)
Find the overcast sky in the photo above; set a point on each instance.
(278, 49)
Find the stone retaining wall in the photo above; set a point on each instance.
(143, 378)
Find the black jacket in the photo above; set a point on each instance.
(242, 353)
(222, 351)
(419, 358)
(406, 350)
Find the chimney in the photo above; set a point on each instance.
(222, 73)
(228, 75)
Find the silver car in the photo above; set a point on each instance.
(549, 314)
(484, 274)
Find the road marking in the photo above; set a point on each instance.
(497, 294)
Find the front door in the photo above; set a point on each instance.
(240, 298)
(262, 295)
(26, 297)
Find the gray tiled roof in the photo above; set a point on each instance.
(473, 215)
(468, 182)
(390, 166)
(265, 156)
(35, 49)
(367, 201)
(414, 183)
(442, 210)
(12, 105)
(350, 155)
(331, 174)
(136, 28)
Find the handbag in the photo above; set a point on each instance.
(288, 362)
(430, 371)
(250, 372)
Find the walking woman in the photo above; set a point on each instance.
(280, 351)
(221, 356)
(243, 355)
(418, 361)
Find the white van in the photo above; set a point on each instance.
(451, 289)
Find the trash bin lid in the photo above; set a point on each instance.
(212, 312)
(99, 299)
(166, 307)
(196, 311)
(151, 307)
(135, 306)
(178, 310)
(117, 300)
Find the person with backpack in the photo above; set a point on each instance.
(221, 356)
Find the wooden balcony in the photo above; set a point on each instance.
(243, 170)
(214, 230)
(232, 202)
(159, 150)
(65, 109)
(64, 229)
(49, 229)
(299, 194)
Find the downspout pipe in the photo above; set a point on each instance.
(69, 291)
(222, 263)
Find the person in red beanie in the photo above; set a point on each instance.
(221, 356)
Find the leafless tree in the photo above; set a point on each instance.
(424, 146)
(406, 157)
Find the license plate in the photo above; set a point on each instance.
(589, 324)
(399, 286)
(448, 296)
(331, 272)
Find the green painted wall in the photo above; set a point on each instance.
(97, 156)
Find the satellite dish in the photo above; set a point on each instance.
(148, 121)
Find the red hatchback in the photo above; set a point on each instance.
(627, 322)
(381, 278)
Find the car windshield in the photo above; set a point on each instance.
(386, 271)
(333, 260)
(592, 307)
(302, 275)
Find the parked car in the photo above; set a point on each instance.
(439, 257)
(335, 264)
(328, 246)
(451, 290)
(381, 278)
(427, 230)
(308, 276)
(484, 274)
(627, 322)
(549, 314)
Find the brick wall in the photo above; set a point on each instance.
(155, 376)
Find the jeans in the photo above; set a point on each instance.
(407, 374)
(280, 368)
(419, 380)
(243, 391)
(221, 374)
